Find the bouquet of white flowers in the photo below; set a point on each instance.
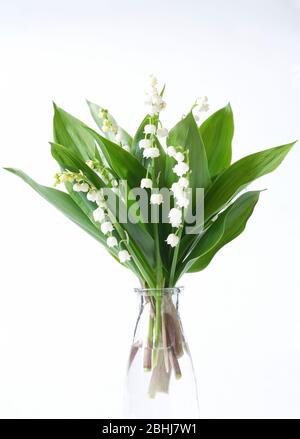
(163, 202)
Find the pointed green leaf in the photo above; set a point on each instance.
(186, 134)
(70, 132)
(235, 178)
(228, 226)
(95, 109)
(217, 133)
(68, 160)
(139, 135)
(124, 164)
(62, 202)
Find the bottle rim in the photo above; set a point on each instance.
(156, 291)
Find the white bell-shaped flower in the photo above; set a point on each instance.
(181, 168)
(183, 182)
(146, 183)
(145, 143)
(99, 214)
(179, 157)
(151, 91)
(152, 80)
(162, 132)
(106, 227)
(151, 153)
(175, 216)
(182, 201)
(171, 151)
(84, 187)
(81, 187)
(124, 256)
(111, 241)
(157, 100)
(204, 108)
(92, 196)
(76, 187)
(172, 240)
(148, 100)
(177, 189)
(100, 200)
(150, 129)
(201, 100)
(156, 199)
(202, 104)
(154, 109)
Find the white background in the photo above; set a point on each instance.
(66, 309)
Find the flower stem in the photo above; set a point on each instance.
(157, 328)
(148, 348)
(164, 338)
(174, 262)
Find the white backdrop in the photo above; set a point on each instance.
(66, 309)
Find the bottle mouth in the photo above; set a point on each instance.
(158, 291)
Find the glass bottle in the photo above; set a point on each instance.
(160, 376)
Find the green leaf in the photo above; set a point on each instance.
(62, 202)
(70, 132)
(94, 109)
(77, 211)
(217, 133)
(235, 178)
(139, 135)
(228, 226)
(68, 160)
(124, 164)
(186, 134)
(142, 241)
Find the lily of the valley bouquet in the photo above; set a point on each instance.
(162, 202)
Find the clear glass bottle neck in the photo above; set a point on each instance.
(158, 292)
(164, 296)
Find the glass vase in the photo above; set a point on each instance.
(160, 381)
